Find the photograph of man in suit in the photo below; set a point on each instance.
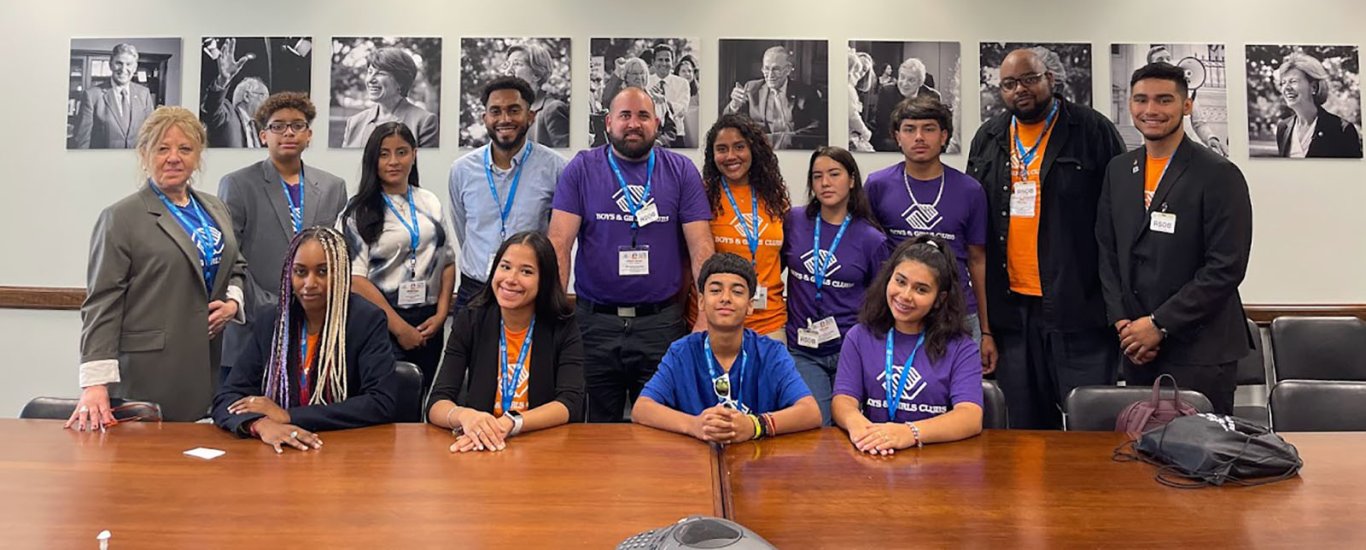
(231, 124)
(111, 113)
(791, 112)
(1175, 231)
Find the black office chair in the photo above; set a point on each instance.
(409, 392)
(1095, 408)
(994, 414)
(1252, 372)
(1319, 348)
(1318, 406)
(60, 408)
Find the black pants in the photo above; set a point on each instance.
(468, 289)
(621, 354)
(426, 356)
(1040, 365)
(1217, 382)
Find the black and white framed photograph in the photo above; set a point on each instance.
(384, 79)
(1206, 78)
(1303, 101)
(113, 86)
(784, 85)
(665, 67)
(883, 74)
(1070, 63)
(238, 73)
(542, 62)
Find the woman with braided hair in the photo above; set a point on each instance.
(319, 360)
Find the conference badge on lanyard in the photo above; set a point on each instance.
(411, 292)
(907, 373)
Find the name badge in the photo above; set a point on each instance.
(1163, 222)
(1022, 199)
(647, 215)
(760, 300)
(633, 261)
(820, 332)
(412, 293)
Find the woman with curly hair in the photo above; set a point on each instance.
(748, 202)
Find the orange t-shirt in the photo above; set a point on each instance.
(1152, 175)
(729, 237)
(519, 396)
(1022, 242)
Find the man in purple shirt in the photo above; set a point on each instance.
(922, 196)
(631, 207)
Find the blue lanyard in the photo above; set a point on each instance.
(413, 233)
(296, 212)
(204, 244)
(1027, 156)
(303, 359)
(626, 192)
(508, 380)
(895, 398)
(820, 259)
(751, 234)
(512, 189)
(732, 383)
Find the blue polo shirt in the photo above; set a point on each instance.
(768, 383)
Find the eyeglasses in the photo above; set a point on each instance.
(280, 127)
(1009, 84)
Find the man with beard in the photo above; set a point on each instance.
(112, 112)
(1175, 231)
(502, 188)
(631, 206)
(1041, 163)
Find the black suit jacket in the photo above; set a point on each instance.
(372, 386)
(1333, 137)
(1187, 280)
(472, 349)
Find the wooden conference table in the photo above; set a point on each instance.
(591, 486)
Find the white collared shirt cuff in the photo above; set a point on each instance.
(235, 293)
(103, 371)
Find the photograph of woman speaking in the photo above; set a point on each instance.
(164, 278)
(518, 346)
(318, 360)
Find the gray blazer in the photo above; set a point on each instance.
(98, 124)
(260, 220)
(147, 307)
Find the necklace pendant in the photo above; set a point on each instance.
(722, 385)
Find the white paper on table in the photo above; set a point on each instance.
(205, 453)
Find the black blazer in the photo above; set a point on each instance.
(1081, 145)
(1333, 137)
(1188, 280)
(472, 349)
(372, 385)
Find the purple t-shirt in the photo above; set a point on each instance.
(934, 387)
(957, 215)
(860, 254)
(588, 188)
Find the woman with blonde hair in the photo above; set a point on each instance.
(164, 278)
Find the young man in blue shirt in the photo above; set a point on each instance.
(728, 384)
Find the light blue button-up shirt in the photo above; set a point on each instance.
(475, 214)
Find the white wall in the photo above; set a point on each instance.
(1309, 244)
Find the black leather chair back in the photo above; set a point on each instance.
(1319, 348)
(60, 408)
(1252, 367)
(409, 392)
(1318, 406)
(1095, 408)
(994, 416)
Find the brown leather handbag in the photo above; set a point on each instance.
(1142, 416)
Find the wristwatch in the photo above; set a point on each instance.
(1153, 319)
(516, 422)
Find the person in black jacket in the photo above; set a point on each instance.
(319, 360)
(1041, 164)
(518, 347)
(1175, 232)
(1310, 131)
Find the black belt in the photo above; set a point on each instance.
(632, 310)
